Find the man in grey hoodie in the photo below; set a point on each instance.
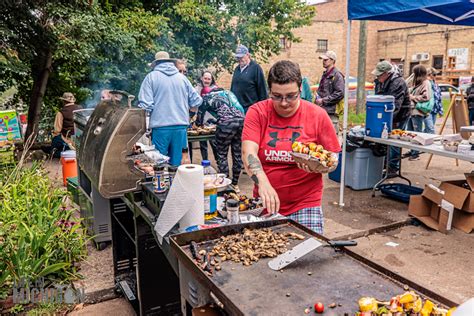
(168, 96)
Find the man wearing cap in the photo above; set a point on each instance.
(388, 81)
(248, 81)
(168, 95)
(331, 87)
(63, 126)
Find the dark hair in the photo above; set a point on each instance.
(420, 74)
(213, 81)
(283, 72)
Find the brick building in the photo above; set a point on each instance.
(446, 48)
(403, 43)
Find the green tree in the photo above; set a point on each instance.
(52, 46)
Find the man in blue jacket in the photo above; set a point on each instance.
(168, 96)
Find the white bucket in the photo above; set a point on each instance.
(68, 154)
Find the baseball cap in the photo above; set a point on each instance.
(241, 51)
(328, 55)
(381, 68)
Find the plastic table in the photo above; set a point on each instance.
(435, 149)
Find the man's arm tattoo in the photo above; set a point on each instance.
(254, 166)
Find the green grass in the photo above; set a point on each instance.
(446, 105)
(358, 119)
(355, 119)
(49, 309)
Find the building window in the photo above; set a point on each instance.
(438, 62)
(451, 62)
(322, 45)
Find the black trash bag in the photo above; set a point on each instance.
(351, 145)
(379, 150)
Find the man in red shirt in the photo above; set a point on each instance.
(270, 128)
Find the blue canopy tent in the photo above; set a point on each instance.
(448, 12)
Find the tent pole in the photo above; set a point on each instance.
(346, 110)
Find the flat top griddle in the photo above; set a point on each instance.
(257, 290)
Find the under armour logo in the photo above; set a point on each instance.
(275, 139)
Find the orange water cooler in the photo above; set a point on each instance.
(69, 165)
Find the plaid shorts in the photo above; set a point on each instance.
(311, 217)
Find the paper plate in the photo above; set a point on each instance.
(222, 183)
(223, 213)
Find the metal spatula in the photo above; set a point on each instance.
(303, 249)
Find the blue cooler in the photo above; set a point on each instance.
(379, 110)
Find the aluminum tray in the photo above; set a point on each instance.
(340, 277)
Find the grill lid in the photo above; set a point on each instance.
(108, 139)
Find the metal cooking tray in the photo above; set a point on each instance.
(340, 277)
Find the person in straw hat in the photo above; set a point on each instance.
(168, 96)
(63, 126)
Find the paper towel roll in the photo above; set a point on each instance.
(185, 200)
(193, 179)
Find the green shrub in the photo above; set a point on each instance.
(39, 234)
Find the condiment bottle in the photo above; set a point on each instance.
(159, 181)
(232, 207)
(210, 191)
(171, 174)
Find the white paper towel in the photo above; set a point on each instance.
(184, 202)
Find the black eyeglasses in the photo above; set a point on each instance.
(184, 72)
(288, 98)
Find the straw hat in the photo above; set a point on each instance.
(160, 57)
(68, 97)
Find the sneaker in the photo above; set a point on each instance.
(413, 158)
(235, 188)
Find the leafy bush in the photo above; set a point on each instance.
(39, 235)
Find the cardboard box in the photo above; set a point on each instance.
(452, 137)
(463, 221)
(431, 209)
(460, 192)
(424, 139)
(464, 149)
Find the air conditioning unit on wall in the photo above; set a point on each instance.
(420, 57)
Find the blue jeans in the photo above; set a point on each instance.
(433, 118)
(170, 141)
(417, 126)
(58, 145)
(429, 126)
(471, 116)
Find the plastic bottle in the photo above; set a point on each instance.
(385, 130)
(210, 191)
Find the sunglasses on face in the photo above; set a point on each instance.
(183, 72)
(288, 98)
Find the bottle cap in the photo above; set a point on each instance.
(172, 168)
(232, 203)
(205, 163)
(158, 168)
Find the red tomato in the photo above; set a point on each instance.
(319, 307)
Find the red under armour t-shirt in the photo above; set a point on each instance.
(296, 188)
